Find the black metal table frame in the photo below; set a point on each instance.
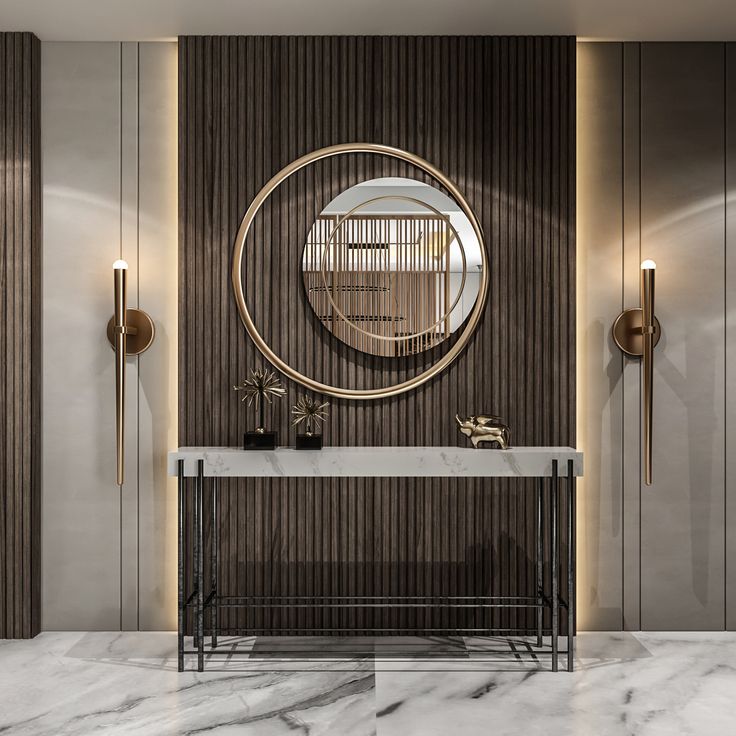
(554, 602)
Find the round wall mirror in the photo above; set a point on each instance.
(392, 266)
(402, 265)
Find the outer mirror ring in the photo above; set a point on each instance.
(239, 250)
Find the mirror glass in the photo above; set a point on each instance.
(392, 266)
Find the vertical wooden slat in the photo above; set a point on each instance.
(497, 116)
(20, 314)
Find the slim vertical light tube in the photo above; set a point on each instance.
(647, 328)
(120, 269)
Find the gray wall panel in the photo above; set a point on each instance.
(81, 189)
(674, 545)
(600, 242)
(631, 219)
(157, 258)
(682, 229)
(730, 273)
(109, 177)
(128, 221)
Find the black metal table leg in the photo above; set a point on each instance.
(181, 591)
(539, 555)
(215, 535)
(195, 560)
(555, 566)
(570, 566)
(200, 567)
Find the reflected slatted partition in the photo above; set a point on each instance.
(497, 115)
(387, 275)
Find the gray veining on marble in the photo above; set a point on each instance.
(377, 462)
(644, 684)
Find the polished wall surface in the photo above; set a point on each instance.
(109, 191)
(655, 126)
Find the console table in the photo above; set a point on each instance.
(547, 464)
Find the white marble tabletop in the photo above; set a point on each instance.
(377, 462)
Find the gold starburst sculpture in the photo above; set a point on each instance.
(309, 411)
(262, 386)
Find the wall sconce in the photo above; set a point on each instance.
(130, 332)
(637, 332)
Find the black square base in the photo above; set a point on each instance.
(309, 442)
(260, 440)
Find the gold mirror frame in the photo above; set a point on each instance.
(239, 249)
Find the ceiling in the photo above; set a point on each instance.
(139, 20)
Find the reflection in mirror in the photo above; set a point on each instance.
(392, 266)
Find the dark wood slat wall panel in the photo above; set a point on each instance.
(497, 115)
(20, 315)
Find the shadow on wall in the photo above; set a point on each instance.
(599, 346)
(690, 392)
(89, 384)
(476, 572)
(698, 434)
(158, 551)
(699, 348)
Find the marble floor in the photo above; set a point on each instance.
(642, 684)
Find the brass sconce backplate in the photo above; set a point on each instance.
(627, 332)
(140, 337)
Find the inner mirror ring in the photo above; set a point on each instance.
(239, 250)
(331, 241)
